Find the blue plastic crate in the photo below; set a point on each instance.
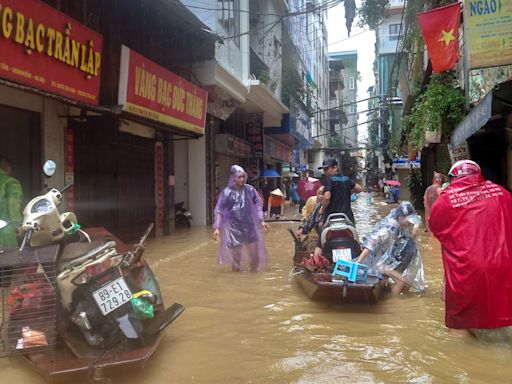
(354, 272)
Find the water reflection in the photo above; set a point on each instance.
(261, 328)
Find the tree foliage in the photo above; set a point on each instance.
(372, 12)
(441, 103)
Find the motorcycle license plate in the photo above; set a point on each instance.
(112, 296)
(341, 254)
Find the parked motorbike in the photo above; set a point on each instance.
(182, 216)
(110, 311)
(339, 238)
(315, 274)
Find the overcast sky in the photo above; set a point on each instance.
(361, 40)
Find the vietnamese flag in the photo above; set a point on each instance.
(440, 28)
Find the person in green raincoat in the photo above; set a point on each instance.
(11, 196)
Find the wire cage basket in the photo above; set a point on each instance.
(28, 299)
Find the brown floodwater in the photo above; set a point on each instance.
(261, 328)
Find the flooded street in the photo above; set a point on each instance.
(261, 328)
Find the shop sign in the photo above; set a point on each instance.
(405, 163)
(159, 190)
(458, 153)
(487, 24)
(229, 144)
(279, 151)
(45, 49)
(148, 90)
(254, 132)
(238, 146)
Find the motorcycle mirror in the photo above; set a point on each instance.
(3, 224)
(49, 168)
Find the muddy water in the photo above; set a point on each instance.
(260, 328)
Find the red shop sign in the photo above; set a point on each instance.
(146, 89)
(45, 49)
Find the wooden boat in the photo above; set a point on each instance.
(319, 286)
(75, 361)
(70, 359)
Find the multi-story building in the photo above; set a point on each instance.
(389, 110)
(103, 97)
(265, 83)
(343, 109)
(317, 33)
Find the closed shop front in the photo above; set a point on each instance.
(20, 142)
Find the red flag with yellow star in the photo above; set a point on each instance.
(440, 29)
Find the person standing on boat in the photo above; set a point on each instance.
(472, 218)
(11, 196)
(239, 223)
(337, 195)
(390, 249)
(432, 193)
(337, 191)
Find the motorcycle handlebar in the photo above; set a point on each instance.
(146, 234)
(26, 239)
(66, 188)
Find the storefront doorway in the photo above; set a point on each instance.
(20, 142)
(114, 174)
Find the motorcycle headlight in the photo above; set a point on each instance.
(42, 206)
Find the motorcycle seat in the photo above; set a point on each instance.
(74, 251)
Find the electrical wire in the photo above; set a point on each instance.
(346, 128)
(327, 5)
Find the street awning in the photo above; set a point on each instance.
(494, 103)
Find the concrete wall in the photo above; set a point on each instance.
(181, 172)
(234, 58)
(268, 45)
(197, 180)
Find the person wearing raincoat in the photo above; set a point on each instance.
(11, 196)
(239, 223)
(472, 218)
(390, 249)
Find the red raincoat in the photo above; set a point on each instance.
(472, 219)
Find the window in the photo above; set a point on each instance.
(229, 18)
(351, 82)
(394, 31)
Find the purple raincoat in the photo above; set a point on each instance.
(238, 215)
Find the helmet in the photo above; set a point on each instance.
(464, 168)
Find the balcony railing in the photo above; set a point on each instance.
(334, 103)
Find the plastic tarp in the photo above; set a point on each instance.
(391, 246)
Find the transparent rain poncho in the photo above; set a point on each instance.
(239, 217)
(392, 246)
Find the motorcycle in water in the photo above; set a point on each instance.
(89, 299)
(339, 240)
(182, 216)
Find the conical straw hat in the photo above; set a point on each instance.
(277, 192)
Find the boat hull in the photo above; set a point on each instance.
(318, 286)
(61, 365)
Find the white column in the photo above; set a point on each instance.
(197, 180)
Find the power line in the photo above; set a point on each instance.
(346, 128)
(346, 104)
(327, 5)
